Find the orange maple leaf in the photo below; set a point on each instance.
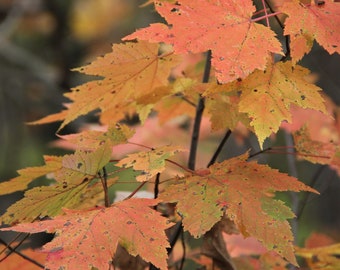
(238, 44)
(244, 190)
(309, 22)
(130, 72)
(86, 239)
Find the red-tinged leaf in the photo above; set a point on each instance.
(52, 163)
(309, 22)
(316, 151)
(149, 162)
(238, 44)
(92, 139)
(267, 96)
(87, 239)
(130, 72)
(313, 150)
(244, 190)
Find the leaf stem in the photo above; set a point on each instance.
(135, 191)
(265, 12)
(266, 16)
(219, 148)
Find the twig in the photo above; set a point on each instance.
(21, 254)
(103, 179)
(282, 27)
(193, 148)
(198, 117)
(265, 12)
(306, 195)
(16, 246)
(135, 191)
(219, 148)
(156, 188)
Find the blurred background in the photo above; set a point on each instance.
(42, 40)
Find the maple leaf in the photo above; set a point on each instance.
(224, 112)
(238, 44)
(72, 173)
(244, 190)
(44, 201)
(130, 72)
(325, 257)
(27, 175)
(86, 239)
(267, 96)
(149, 162)
(309, 22)
(92, 139)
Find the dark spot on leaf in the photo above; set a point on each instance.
(174, 10)
(255, 90)
(129, 222)
(303, 97)
(85, 179)
(152, 239)
(79, 165)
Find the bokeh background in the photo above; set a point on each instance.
(42, 40)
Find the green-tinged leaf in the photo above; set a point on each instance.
(197, 203)
(149, 162)
(86, 239)
(83, 165)
(268, 95)
(27, 175)
(244, 190)
(44, 201)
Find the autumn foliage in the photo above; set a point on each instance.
(213, 59)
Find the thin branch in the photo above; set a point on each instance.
(156, 188)
(282, 27)
(260, 152)
(21, 254)
(219, 148)
(184, 251)
(198, 118)
(265, 12)
(180, 166)
(103, 179)
(293, 172)
(266, 16)
(193, 147)
(306, 195)
(135, 191)
(16, 246)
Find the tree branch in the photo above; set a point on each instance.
(219, 148)
(198, 117)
